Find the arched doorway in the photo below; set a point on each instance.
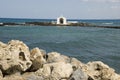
(61, 20)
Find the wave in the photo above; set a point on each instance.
(108, 23)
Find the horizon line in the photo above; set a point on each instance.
(56, 18)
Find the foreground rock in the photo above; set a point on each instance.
(56, 71)
(100, 71)
(17, 62)
(14, 57)
(79, 75)
(37, 58)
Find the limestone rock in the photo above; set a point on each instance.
(37, 58)
(14, 56)
(100, 71)
(1, 75)
(2, 44)
(31, 76)
(76, 64)
(1, 78)
(57, 57)
(79, 75)
(16, 76)
(18, 63)
(56, 71)
(13, 78)
(61, 70)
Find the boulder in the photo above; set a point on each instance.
(1, 78)
(15, 76)
(76, 64)
(18, 63)
(14, 56)
(2, 45)
(1, 75)
(37, 58)
(57, 57)
(79, 75)
(100, 71)
(56, 71)
(61, 70)
(31, 76)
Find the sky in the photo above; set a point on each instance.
(51, 9)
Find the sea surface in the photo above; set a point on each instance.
(84, 43)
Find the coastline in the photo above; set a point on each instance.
(17, 62)
(79, 24)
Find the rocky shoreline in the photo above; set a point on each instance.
(17, 62)
(80, 24)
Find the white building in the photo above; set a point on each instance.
(61, 20)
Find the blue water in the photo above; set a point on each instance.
(17, 20)
(84, 43)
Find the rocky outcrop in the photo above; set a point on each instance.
(79, 75)
(57, 57)
(56, 71)
(37, 56)
(100, 71)
(14, 57)
(17, 62)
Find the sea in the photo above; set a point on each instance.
(84, 43)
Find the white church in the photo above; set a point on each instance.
(61, 20)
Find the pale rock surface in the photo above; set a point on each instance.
(15, 76)
(37, 58)
(45, 71)
(57, 57)
(76, 64)
(79, 75)
(31, 76)
(61, 70)
(56, 71)
(1, 75)
(100, 71)
(14, 56)
(18, 63)
(2, 45)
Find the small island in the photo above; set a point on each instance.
(60, 21)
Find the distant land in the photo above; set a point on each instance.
(53, 22)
